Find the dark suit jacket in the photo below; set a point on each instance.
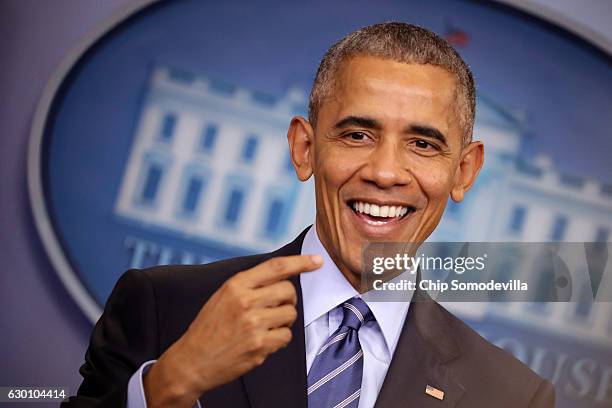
(150, 309)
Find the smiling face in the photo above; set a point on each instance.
(386, 154)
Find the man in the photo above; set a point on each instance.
(388, 140)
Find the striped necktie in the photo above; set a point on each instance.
(334, 380)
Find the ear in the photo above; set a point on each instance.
(472, 158)
(301, 146)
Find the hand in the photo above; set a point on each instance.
(242, 323)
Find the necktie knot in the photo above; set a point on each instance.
(356, 313)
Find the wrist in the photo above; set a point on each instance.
(168, 382)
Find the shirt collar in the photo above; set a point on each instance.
(326, 288)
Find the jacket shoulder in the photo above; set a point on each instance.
(180, 291)
(486, 368)
(182, 280)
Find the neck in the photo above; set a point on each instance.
(362, 281)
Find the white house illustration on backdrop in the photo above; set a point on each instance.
(206, 155)
(210, 161)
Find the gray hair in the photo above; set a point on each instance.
(399, 42)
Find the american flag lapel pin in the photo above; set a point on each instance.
(434, 392)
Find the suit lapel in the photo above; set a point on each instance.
(281, 380)
(425, 346)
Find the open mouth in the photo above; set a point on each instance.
(376, 214)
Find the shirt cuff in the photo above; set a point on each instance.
(135, 393)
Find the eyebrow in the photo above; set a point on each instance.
(358, 121)
(371, 123)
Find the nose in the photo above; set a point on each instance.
(386, 166)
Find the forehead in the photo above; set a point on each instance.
(394, 89)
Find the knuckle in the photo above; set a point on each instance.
(287, 287)
(244, 302)
(256, 343)
(286, 335)
(232, 286)
(259, 360)
(277, 265)
(238, 277)
(250, 322)
(291, 292)
(291, 313)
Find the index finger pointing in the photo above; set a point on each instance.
(280, 268)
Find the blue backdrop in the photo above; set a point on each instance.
(120, 192)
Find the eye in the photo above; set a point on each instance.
(424, 147)
(357, 136)
(423, 144)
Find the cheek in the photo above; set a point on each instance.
(435, 180)
(334, 168)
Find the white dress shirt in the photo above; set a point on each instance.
(322, 291)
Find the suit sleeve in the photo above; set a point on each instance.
(125, 336)
(544, 396)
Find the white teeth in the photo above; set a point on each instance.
(387, 211)
(374, 210)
